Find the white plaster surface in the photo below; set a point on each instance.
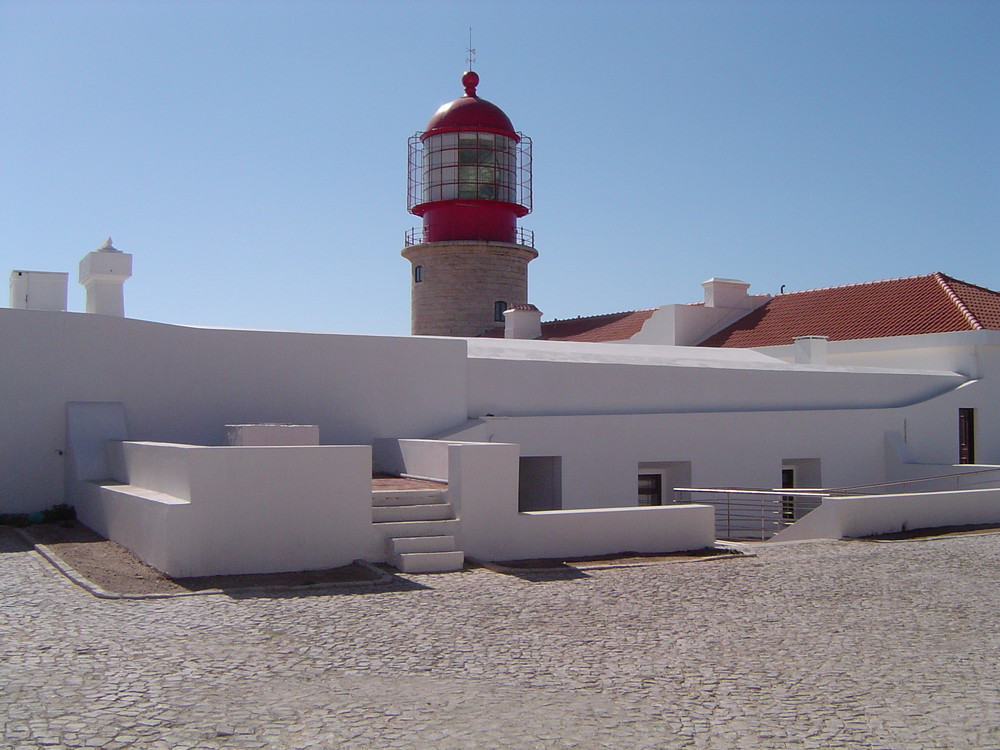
(839, 517)
(482, 488)
(103, 273)
(196, 510)
(272, 434)
(182, 384)
(726, 293)
(520, 378)
(38, 290)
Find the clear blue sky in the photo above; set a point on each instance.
(252, 155)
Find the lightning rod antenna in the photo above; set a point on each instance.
(471, 57)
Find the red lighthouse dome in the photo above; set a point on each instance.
(469, 112)
(470, 171)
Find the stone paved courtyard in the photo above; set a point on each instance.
(826, 644)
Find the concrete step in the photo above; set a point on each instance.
(405, 544)
(429, 562)
(396, 513)
(393, 529)
(381, 498)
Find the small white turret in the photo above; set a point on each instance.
(103, 273)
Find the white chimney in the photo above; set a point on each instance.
(730, 293)
(103, 274)
(38, 290)
(810, 350)
(522, 322)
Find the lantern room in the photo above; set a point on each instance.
(469, 172)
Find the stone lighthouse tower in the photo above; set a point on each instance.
(470, 181)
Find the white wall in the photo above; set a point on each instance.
(600, 453)
(421, 459)
(839, 517)
(957, 351)
(483, 488)
(518, 378)
(195, 510)
(181, 384)
(738, 448)
(686, 325)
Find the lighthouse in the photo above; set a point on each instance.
(470, 181)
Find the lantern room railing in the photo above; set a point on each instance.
(415, 236)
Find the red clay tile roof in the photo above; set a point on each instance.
(934, 303)
(611, 327)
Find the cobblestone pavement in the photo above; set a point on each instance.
(818, 645)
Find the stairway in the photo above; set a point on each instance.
(419, 527)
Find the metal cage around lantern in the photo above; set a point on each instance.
(469, 166)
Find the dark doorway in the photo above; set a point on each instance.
(967, 436)
(787, 501)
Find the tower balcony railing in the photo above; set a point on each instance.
(522, 236)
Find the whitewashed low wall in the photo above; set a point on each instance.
(840, 517)
(198, 510)
(483, 486)
(206, 510)
(576, 533)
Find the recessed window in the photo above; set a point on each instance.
(499, 307)
(539, 484)
(418, 274)
(658, 480)
(967, 436)
(650, 489)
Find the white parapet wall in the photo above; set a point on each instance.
(483, 490)
(867, 515)
(204, 510)
(183, 385)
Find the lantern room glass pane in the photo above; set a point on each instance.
(487, 167)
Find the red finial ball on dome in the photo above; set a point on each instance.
(470, 80)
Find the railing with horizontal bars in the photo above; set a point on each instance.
(960, 480)
(755, 514)
(743, 513)
(522, 236)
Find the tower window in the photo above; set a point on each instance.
(499, 307)
(418, 274)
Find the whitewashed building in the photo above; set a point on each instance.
(228, 451)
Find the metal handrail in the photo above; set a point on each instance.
(936, 477)
(753, 513)
(522, 236)
(746, 513)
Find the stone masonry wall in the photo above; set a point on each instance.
(460, 283)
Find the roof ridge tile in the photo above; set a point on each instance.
(858, 283)
(953, 296)
(601, 315)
